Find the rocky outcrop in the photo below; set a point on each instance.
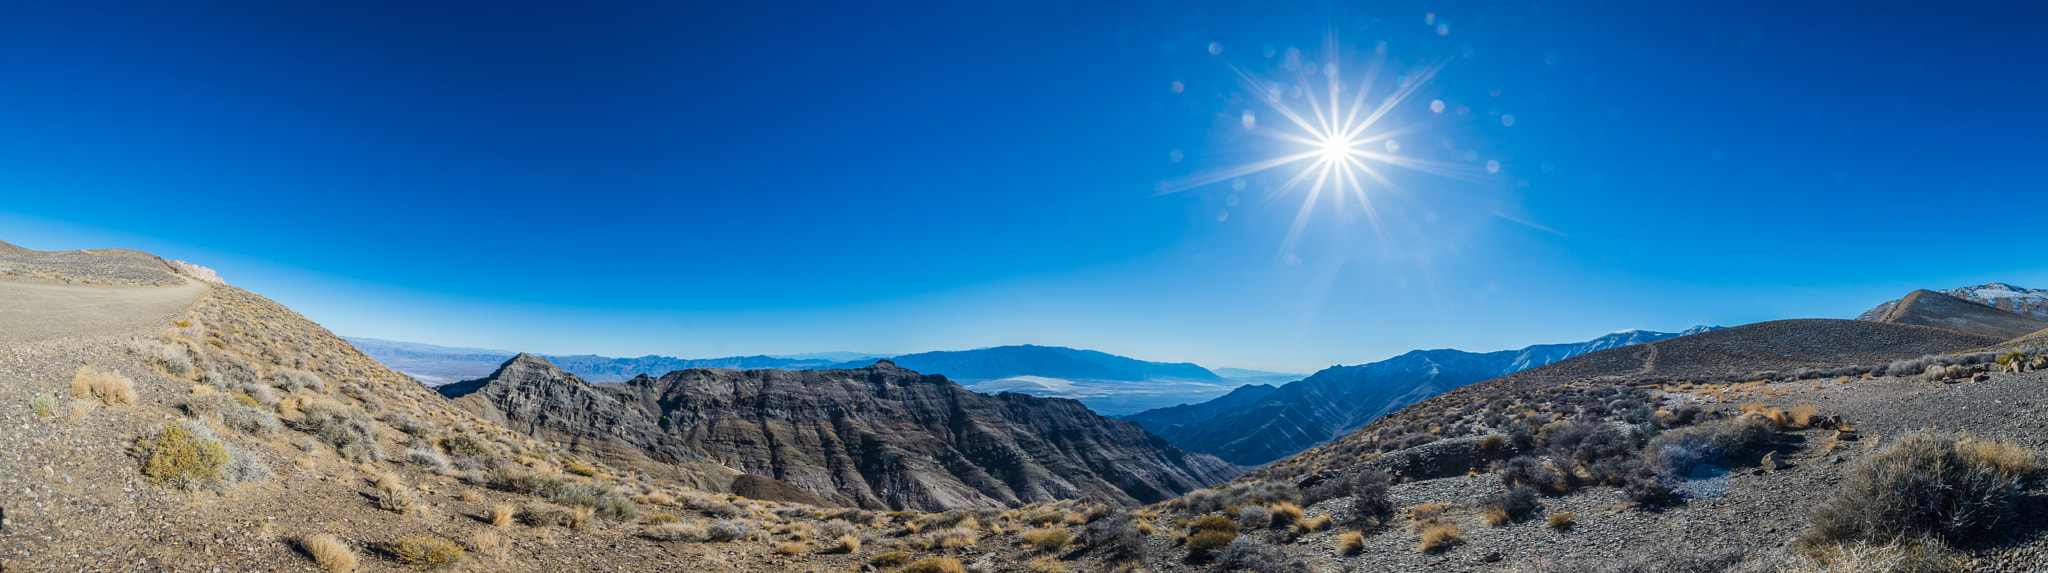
(875, 437)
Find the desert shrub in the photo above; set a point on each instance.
(836, 529)
(1515, 503)
(730, 530)
(351, 431)
(1212, 523)
(1562, 520)
(427, 552)
(1046, 539)
(109, 388)
(232, 413)
(43, 405)
(1351, 543)
(295, 380)
(935, 565)
(429, 459)
(1116, 538)
(329, 553)
(1532, 472)
(889, 559)
(172, 359)
(1202, 543)
(1739, 438)
(1254, 517)
(675, 531)
(1665, 558)
(1247, 554)
(1922, 486)
(1492, 443)
(1369, 495)
(466, 444)
(187, 455)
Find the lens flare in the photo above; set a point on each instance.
(1335, 134)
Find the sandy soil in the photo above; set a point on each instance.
(32, 311)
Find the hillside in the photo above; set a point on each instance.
(2018, 300)
(1044, 361)
(881, 436)
(1339, 399)
(1930, 308)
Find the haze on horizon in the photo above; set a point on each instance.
(715, 180)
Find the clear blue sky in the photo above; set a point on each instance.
(706, 179)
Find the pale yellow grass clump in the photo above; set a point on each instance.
(849, 544)
(501, 515)
(1047, 564)
(1350, 543)
(791, 548)
(1439, 536)
(108, 388)
(471, 496)
(330, 553)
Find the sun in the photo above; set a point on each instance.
(1339, 134)
(1336, 148)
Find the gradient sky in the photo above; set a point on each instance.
(699, 179)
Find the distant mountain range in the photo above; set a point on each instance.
(1251, 431)
(1107, 383)
(436, 365)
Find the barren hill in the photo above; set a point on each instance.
(1929, 308)
(877, 437)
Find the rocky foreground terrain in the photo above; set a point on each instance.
(198, 427)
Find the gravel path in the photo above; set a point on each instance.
(32, 311)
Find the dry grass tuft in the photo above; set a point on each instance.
(1426, 512)
(501, 515)
(1562, 520)
(1046, 539)
(1439, 536)
(792, 548)
(889, 559)
(109, 388)
(471, 496)
(1285, 514)
(1351, 543)
(1313, 524)
(2007, 459)
(330, 553)
(849, 544)
(1494, 516)
(935, 565)
(1047, 564)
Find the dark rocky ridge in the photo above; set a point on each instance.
(875, 437)
(1929, 308)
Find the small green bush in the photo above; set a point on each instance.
(352, 432)
(468, 445)
(1213, 523)
(1203, 543)
(187, 455)
(427, 552)
(44, 405)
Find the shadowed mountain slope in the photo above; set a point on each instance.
(1340, 399)
(1169, 422)
(1930, 308)
(877, 437)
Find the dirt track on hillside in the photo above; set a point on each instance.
(36, 311)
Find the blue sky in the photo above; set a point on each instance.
(703, 180)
